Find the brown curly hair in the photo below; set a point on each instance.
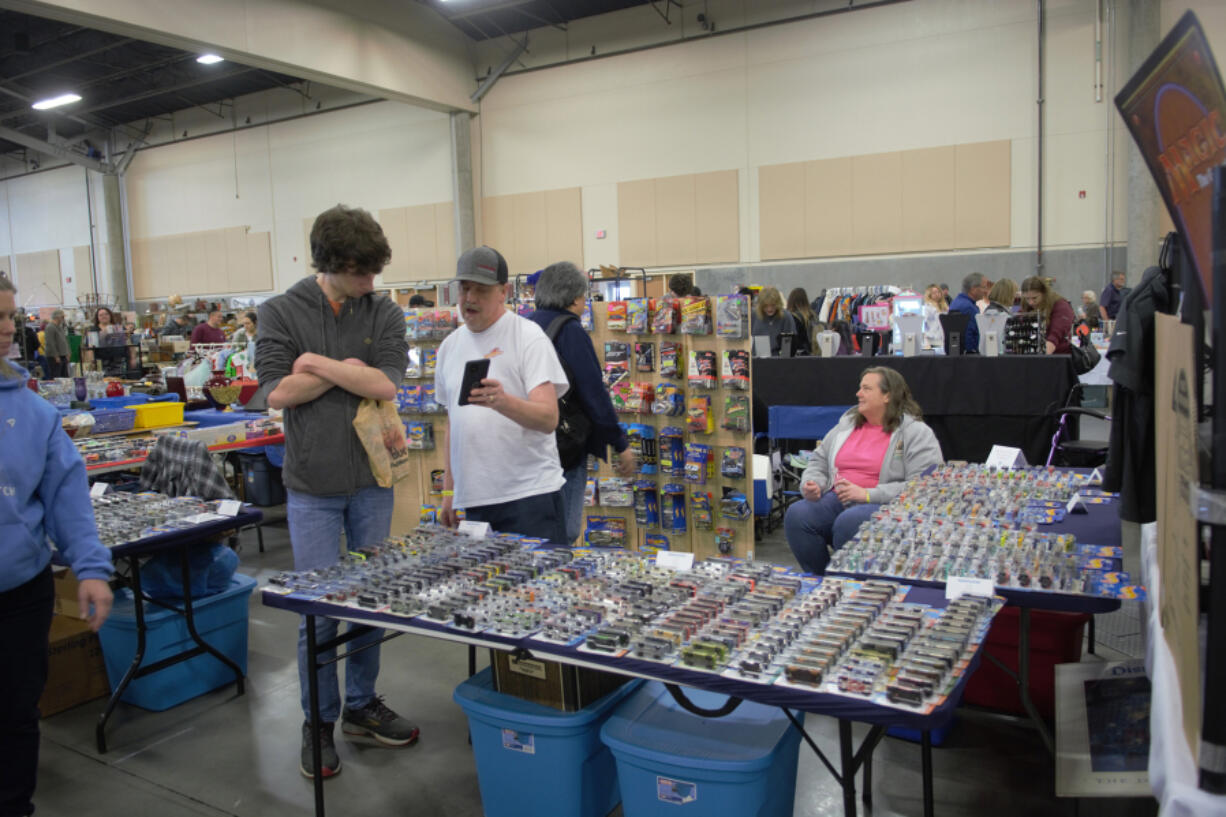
(348, 239)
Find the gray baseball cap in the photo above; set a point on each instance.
(482, 265)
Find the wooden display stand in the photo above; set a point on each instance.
(698, 541)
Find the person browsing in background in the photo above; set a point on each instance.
(562, 289)
(1058, 317)
(945, 294)
(1002, 296)
(770, 319)
(1112, 297)
(500, 457)
(804, 318)
(57, 349)
(44, 495)
(680, 285)
(934, 307)
(325, 345)
(210, 331)
(862, 463)
(982, 302)
(974, 287)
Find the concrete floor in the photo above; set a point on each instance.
(222, 754)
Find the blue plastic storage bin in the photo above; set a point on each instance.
(533, 759)
(221, 620)
(671, 762)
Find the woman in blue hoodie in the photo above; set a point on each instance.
(44, 495)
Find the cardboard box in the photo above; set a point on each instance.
(174, 347)
(76, 673)
(560, 686)
(66, 585)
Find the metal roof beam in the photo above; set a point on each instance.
(481, 11)
(54, 150)
(488, 82)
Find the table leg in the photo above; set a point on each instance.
(848, 767)
(1023, 679)
(239, 680)
(313, 696)
(926, 770)
(134, 667)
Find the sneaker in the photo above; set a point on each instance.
(379, 722)
(327, 752)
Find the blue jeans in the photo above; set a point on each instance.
(540, 516)
(812, 525)
(315, 525)
(572, 500)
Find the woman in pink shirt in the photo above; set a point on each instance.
(862, 463)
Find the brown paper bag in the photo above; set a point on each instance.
(382, 434)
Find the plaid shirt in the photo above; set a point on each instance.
(179, 467)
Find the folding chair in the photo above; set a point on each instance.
(800, 423)
(1067, 447)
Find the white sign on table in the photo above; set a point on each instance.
(476, 530)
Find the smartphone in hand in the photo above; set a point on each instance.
(474, 372)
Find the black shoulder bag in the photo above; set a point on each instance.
(574, 426)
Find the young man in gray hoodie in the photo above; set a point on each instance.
(326, 344)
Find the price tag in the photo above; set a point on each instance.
(98, 489)
(202, 518)
(1003, 456)
(674, 559)
(1096, 477)
(477, 530)
(1076, 505)
(967, 585)
(229, 507)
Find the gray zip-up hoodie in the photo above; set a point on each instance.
(913, 447)
(323, 454)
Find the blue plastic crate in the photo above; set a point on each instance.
(118, 402)
(221, 620)
(671, 762)
(115, 419)
(533, 759)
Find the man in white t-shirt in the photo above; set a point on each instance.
(501, 457)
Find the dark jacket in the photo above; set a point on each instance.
(773, 327)
(323, 454)
(1060, 326)
(577, 353)
(1131, 455)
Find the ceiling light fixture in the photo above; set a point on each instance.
(209, 59)
(56, 101)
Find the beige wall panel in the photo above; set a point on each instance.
(144, 285)
(444, 241)
(259, 262)
(717, 217)
(170, 261)
(983, 190)
(636, 220)
(530, 247)
(928, 199)
(38, 277)
(237, 263)
(215, 252)
(81, 270)
(395, 227)
(564, 225)
(876, 202)
(675, 232)
(195, 256)
(827, 207)
(498, 228)
(419, 221)
(781, 210)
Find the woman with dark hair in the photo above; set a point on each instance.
(562, 289)
(1057, 312)
(45, 496)
(862, 463)
(804, 318)
(107, 343)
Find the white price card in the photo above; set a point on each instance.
(229, 507)
(1076, 505)
(1003, 456)
(477, 530)
(98, 489)
(674, 559)
(968, 586)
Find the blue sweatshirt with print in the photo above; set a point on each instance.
(44, 493)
